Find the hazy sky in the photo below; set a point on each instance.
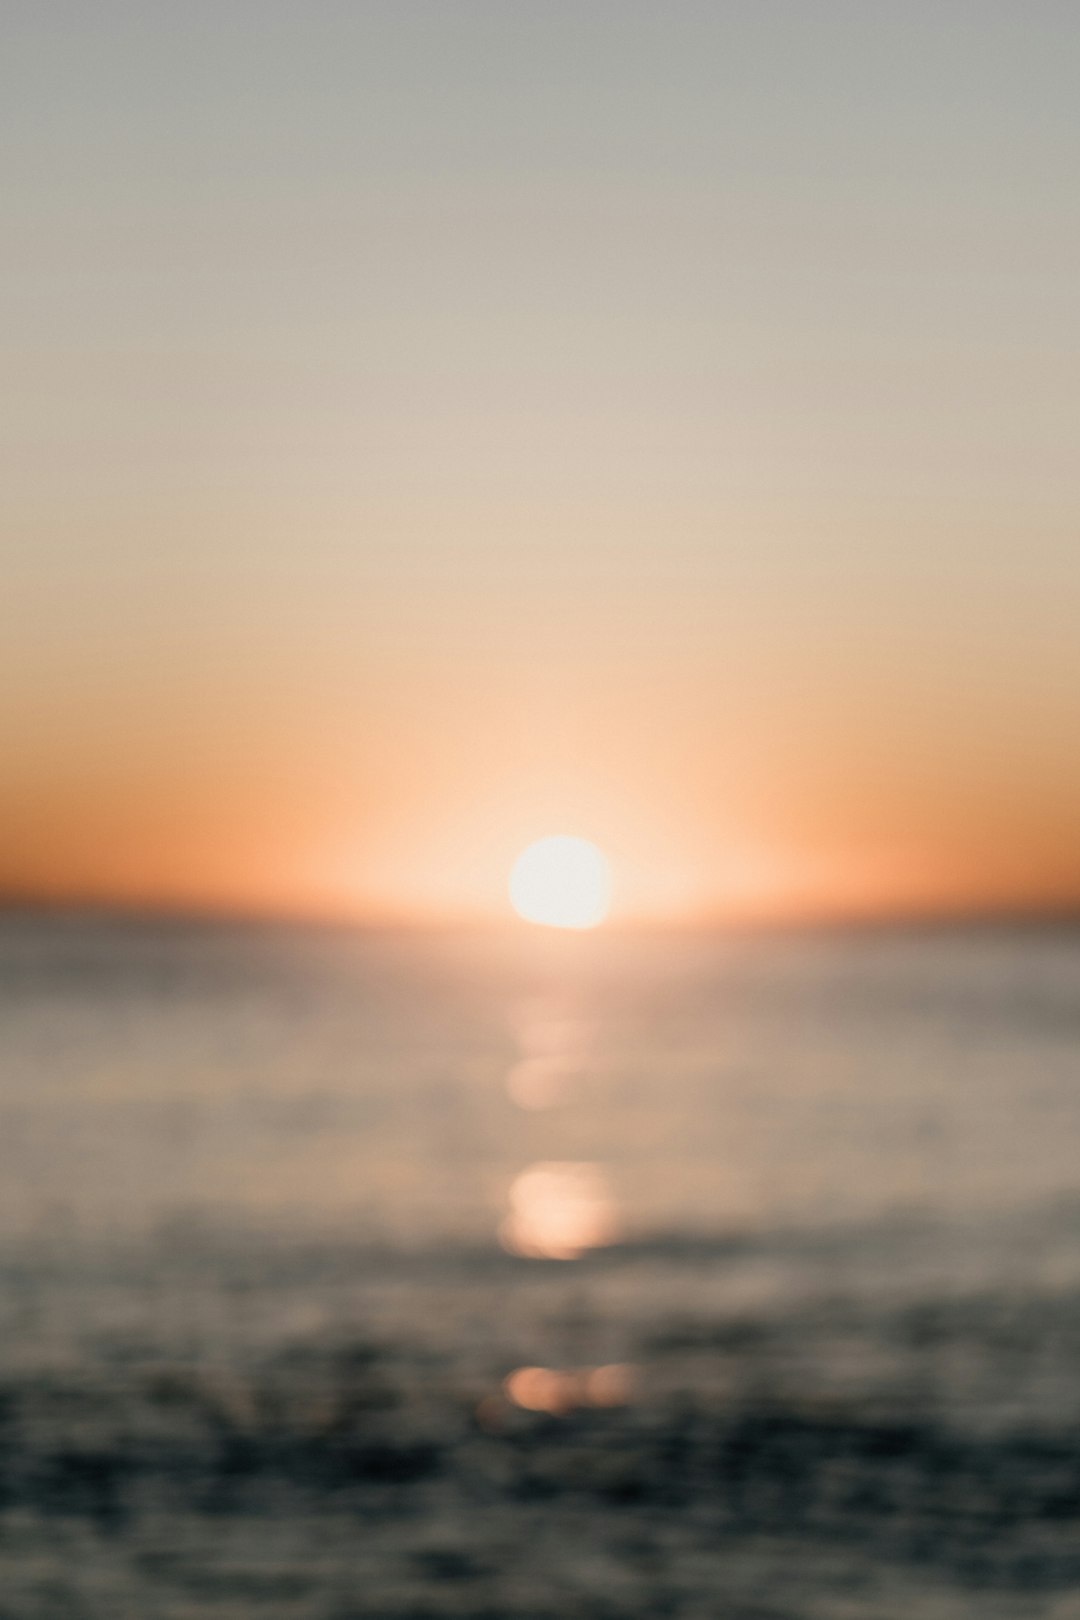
(429, 424)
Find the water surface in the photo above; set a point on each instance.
(524, 1274)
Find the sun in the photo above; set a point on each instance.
(561, 882)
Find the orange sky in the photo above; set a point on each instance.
(435, 427)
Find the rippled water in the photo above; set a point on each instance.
(528, 1274)
(396, 1085)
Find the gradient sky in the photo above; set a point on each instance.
(431, 424)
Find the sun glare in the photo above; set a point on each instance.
(561, 882)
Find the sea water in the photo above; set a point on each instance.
(527, 1273)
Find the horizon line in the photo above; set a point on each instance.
(14, 903)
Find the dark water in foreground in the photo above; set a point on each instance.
(541, 1276)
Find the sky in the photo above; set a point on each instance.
(434, 424)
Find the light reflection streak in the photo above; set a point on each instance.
(558, 1391)
(539, 1082)
(558, 1211)
(554, 1044)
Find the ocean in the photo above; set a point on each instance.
(524, 1274)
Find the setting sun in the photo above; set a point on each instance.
(561, 882)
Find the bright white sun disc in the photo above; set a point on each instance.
(561, 882)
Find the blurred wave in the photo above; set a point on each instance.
(772, 1307)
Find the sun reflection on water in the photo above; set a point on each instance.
(558, 1391)
(554, 1043)
(558, 1211)
(540, 1082)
